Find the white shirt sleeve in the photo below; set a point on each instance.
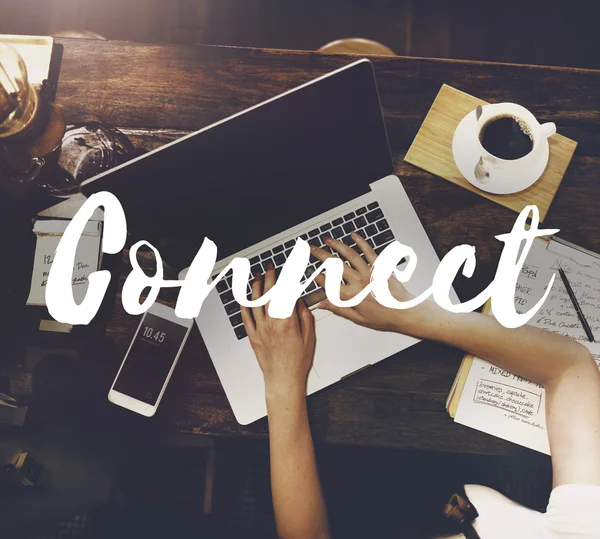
(573, 513)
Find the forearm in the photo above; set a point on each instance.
(297, 497)
(530, 352)
(564, 367)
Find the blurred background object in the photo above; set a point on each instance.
(31, 126)
(532, 32)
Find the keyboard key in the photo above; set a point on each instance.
(289, 244)
(227, 297)
(348, 240)
(372, 216)
(221, 286)
(380, 249)
(265, 255)
(265, 265)
(337, 221)
(236, 319)
(232, 308)
(337, 232)
(256, 270)
(315, 242)
(229, 280)
(360, 211)
(312, 233)
(309, 271)
(349, 227)
(240, 332)
(279, 259)
(373, 205)
(287, 253)
(254, 260)
(384, 237)
(278, 249)
(360, 222)
(325, 227)
(304, 237)
(371, 230)
(312, 286)
(349, 216)
(324, 237)
(382, 225)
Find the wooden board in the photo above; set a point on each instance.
(432, 151)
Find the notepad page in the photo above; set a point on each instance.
(87, 258)
(504, 404)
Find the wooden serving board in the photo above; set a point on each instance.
(432, 151)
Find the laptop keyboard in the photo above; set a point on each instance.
(368, 221)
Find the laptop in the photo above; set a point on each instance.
(311, 162)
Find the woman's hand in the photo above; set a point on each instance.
(369, 312)
(284, 348)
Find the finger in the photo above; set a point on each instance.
(349, 254)
(306, 319)
(345, 312)
(345, 292)
(365, 247)
(257, 312)
(320, 254)
(323, 255)
(269, 278)
(249, 323)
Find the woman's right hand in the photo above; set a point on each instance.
(370, 312)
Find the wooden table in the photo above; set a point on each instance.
(157, 93)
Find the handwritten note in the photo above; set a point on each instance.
(87, 258)
(511, 407)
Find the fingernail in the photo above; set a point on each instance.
(271, 266)
(327, 239)
(353, 235)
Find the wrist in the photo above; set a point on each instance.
(279, 399)
(291, 394)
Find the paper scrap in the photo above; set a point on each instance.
(87, 258)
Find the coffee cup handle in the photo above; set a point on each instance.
(548, 129)
(482, 170)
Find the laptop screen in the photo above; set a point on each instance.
(258, 173)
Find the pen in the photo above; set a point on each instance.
(582, 319)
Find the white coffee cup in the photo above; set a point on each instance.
(490, 172)
(489, 164)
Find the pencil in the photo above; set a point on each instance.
(584, 323)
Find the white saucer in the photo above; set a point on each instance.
(503, 183)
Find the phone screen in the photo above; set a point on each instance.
(150, 358)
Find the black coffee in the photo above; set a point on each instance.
(505, 138)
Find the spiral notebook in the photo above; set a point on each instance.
(490, 399)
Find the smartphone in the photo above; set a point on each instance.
(150, 360)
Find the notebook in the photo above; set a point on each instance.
(87, 257)
(490, 399)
